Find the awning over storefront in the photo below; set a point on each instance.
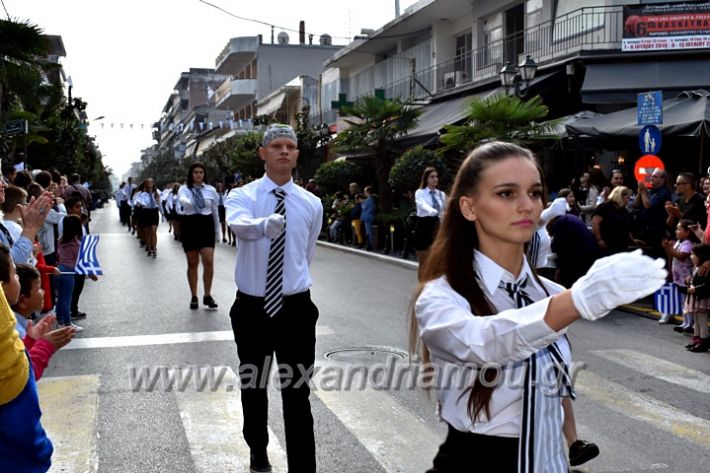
(272, 104)
(204, 145)
(620, 82)
(437, 115)
(686, 115)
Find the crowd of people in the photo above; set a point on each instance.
(501, 277)
(45, 216)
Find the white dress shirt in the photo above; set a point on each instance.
(425, 202)
(246, 209)
(128, 193)
(146, 200)
(186, 199)
(455, 337)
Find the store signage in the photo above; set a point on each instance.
(649, 108)
(650, 140)
(16, 127)
(656, 27)
(645, 166)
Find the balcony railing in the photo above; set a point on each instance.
(594, 28)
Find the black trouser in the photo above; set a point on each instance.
(291, 335)
(124, 212)
(78, 287)
(466, 451)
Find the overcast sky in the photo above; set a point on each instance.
(125, 56)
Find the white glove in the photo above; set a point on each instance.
(274, 225)
(616, 280)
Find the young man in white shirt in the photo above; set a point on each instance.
(277, 224)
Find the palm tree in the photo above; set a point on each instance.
(22, 49)
(500, 117)
(375, 126)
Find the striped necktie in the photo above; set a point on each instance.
(273, 298)
(546, 379)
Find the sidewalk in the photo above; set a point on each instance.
(643, 308)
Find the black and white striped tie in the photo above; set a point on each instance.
(541, 423)
(273, 298)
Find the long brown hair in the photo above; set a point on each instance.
(451, 255)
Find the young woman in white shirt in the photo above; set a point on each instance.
(148, 201)
(430, 207)
(200, 230)
(480, 304)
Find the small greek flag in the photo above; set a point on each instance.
(668, 300)
(87, 263)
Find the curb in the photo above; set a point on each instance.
(411, 265)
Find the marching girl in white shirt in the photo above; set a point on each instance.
(430, 207)
(480, 304)
(148, 201)
(200, 229)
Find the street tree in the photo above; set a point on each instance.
(500, 117)
(374, 127)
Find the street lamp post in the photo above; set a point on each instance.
(518, 78)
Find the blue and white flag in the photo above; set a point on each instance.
(87, 263)
(668, 300)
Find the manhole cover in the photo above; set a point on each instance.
(365, 355)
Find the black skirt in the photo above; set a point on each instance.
(197, 232)
(151, 217)
(425, 232)
(466, 451)
(221, 211)
(139, 216)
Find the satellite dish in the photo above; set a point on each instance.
(283, 38)
(326, 40)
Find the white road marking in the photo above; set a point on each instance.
(69, 415)
(213, 426)
(396, 439)
(164, 339)
(658, 368)
(646, 409)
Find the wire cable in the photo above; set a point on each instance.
(5, 8)
(260, 21)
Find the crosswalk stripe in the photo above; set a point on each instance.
(658, 368)
(164, 339)
(637, 406)
(213, 426)
(74, 435)
(399, 441)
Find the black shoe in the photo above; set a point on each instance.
(581, 452)
(194, 304)
(224, 240)
(688, 330)
(678, 329)
(234, 243)
(259, 463)
(209, 302)
(78, 315)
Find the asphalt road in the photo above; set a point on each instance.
(642, 397)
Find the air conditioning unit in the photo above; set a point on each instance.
(454, 79)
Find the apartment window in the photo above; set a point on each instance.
(464, 46)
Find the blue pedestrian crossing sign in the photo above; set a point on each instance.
(650, 140)
(650, 108)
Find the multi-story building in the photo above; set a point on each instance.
(441, 52)
(256, 69)
(190, 113)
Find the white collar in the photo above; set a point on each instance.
(268, 185)
(491, 273)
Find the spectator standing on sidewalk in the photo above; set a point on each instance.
(678, 252)
(431, 203)
(651, 221)
(33, 215)
(698, 300)
(689, 205)
(277, 225)
(367, 217)
(479, 303)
